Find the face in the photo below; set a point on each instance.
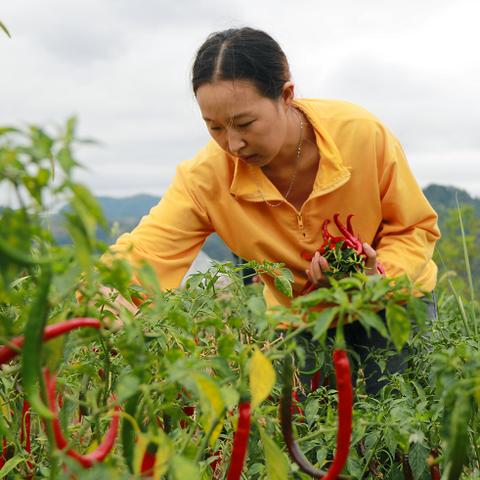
(243, 122)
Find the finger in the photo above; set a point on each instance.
(324, 264)
(309, 276)
(371, 263)
(316, 270)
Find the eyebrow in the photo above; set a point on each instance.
(235, 117)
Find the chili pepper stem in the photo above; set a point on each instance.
(339, 336)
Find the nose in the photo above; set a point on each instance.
(235, 142)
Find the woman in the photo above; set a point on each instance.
(276, 167)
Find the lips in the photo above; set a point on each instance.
(248, 157)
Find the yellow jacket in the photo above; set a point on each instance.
(362, 171)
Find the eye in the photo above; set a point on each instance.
(243, 125)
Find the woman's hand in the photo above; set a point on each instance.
(116, 323)
(316, 272)
(319, 265)
(371, 265)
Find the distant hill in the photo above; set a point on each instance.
(127, 207)
(126, 212)
(443, 198)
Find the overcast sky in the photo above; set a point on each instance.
(123, 67)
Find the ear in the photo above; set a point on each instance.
(288, 93)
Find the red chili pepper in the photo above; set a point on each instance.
(306, 256)
(148, 460)
(217, 462)
(328, 238)
(25, 431)
(295, 404)
(434, 468)
(325, 233)
(345, 404)
(4, 455)
(349, 223)
(407, 469)
(240, 441)
(380, 268)
(101, 451)
(315, 381)
(345, 407)
(309, 287)
(350, 239)
(51, 331)
(189, 411)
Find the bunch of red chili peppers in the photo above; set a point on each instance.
(345, 407)
(8, 352)
(344, 253)
(52, 331)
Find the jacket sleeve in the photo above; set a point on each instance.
(407, 235)
(171, 235)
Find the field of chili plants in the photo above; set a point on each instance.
(204, 382)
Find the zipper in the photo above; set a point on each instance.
(300, 223)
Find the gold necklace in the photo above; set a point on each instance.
(294, 176)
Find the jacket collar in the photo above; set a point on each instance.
(251, 184)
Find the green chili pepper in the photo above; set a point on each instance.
(128, 432)
(458, 445)
(32, 348)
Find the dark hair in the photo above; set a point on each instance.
(242, 54)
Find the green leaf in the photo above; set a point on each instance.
(275, 459)
(417, 309)
(212, 405)
(5, 130)
(230, 396)
(149, 279)
(398, 324)
(226, 345)
(92, 207)
(257, 306)
(311, 410)
(458, 441)
(341, 298)
(323, 322)
(10, 465)
(4, 430)
(417, 457)
(283, 285)
(65, 160)
(127, 387)
(314, 298)
(182, 468)
(285, 272)
(4, 28)
(390, 439)
(70, 128)
(370, 319)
